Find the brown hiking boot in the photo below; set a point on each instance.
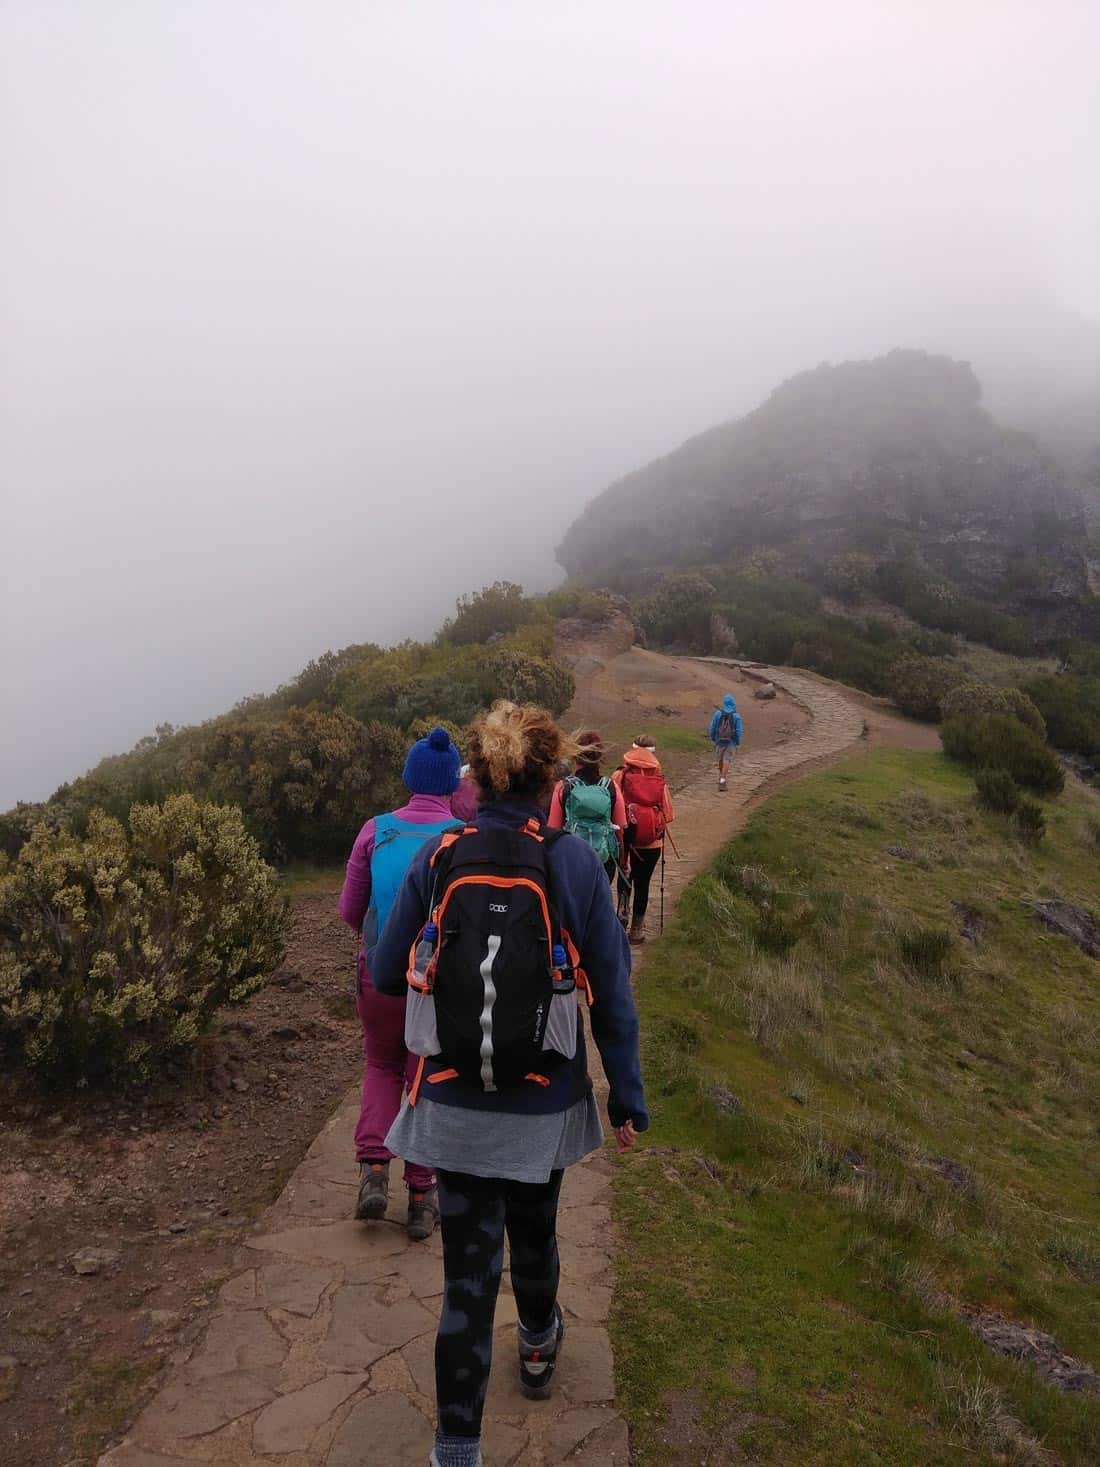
(637, 931)
(374, 1190)
(423, 1214)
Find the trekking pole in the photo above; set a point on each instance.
(677, 854)
(663, 885)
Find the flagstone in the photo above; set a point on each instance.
(291, 1422)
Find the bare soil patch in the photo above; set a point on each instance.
(162, 1186)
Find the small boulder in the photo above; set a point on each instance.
(1073, 922)
(765, 691)
(90, 1261)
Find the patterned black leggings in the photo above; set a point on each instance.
(642, 866)
(474, 1213)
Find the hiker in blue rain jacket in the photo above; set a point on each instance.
(499, 1154)
(725, 735)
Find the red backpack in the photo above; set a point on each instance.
(644, 796)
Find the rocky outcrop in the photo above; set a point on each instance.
(895, 457)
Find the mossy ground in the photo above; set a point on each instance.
(862, 1123)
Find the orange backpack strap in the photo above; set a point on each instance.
(537, 1079)
(414, 1089)
(447, 840)
(579, 975)
(533, 829)
(441, 1075)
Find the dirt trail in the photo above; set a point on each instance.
(319, 1350)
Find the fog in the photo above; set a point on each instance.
(316, 315)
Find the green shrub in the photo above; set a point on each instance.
(678, 611)
(1070, 704)
(495, 610)
(918, 685)
(1031, 823)
(997, 790)
(437, 699)
(116, 949)
(306, 781)
(578, 602)
(999, 742)
(973, 699)
(526, 679)
(849, 574)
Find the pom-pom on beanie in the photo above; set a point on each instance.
(432, 767)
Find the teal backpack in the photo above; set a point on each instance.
(396, 842)
(588, 810)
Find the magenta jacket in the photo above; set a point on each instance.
(355, 897)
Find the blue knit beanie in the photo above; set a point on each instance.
(433, 765)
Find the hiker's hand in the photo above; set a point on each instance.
(625, 1136)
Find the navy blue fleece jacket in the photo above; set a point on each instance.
(583, 895)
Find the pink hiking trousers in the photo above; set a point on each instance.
(389, 1067)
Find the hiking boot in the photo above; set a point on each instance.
(722, 783)
(536, 1365)
(423, 1214)
(374, 1190)
(637, 931)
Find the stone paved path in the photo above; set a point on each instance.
(319, 1351)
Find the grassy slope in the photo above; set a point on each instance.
(791, 1256)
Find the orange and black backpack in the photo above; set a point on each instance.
(492, 976)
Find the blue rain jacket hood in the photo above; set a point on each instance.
(729, 706)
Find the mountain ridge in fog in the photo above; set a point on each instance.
(894, 456)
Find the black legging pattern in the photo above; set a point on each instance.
(474, 1213)
(642, 866)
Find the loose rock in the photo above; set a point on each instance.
(1072, 922)
(90, 1261)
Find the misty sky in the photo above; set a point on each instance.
(314, 315)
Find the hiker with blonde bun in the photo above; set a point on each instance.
(589, 804)
(376, 867)
(497, 933)
(649, 811)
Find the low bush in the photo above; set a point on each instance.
(999, 742)
(526, 679)
(919, 685)
(495, 610)
(1070, 704)
(1030, 822)
(305, 781)
(579, 602)
(973, 699)
(997, 790)
(117, 948)
(678, 611)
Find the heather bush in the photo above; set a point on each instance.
(849, 575)
(1030, 822)
(919, 685)
(305, 781)
(678, 611)
(117, 948)
(1070, 704)
(999, 742)
(997, 790)
(495, 610)
(526, 679)
(974, 699)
